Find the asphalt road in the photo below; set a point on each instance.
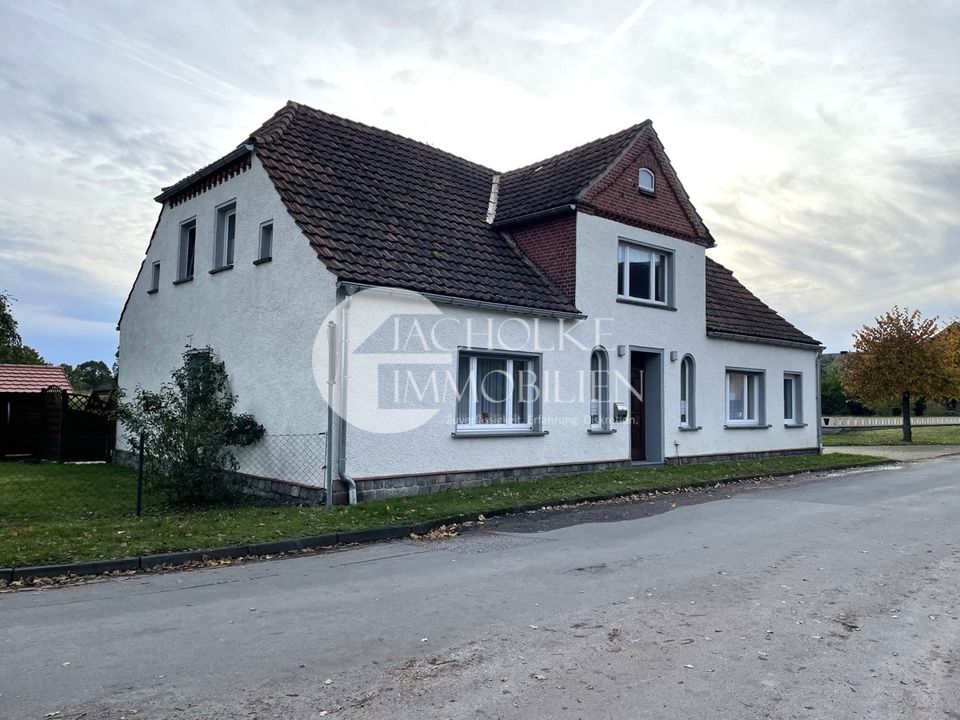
(821, 597)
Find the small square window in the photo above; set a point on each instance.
(744, 403)
(643, 273)
(265, 250)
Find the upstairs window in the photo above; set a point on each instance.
(226, 236)
(643, 273)
(646, 181)
(496, 392)
(154, 277)
(599, 390)
(265, 249)
(188, 248)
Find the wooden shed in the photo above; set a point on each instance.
(28, 425)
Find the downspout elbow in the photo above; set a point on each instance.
(348, 481)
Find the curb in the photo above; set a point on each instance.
(315, 542)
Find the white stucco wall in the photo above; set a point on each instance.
(432, 447)
(683, 330)
(263, 321)
(260, 320)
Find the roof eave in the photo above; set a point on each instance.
(538, 215)
(206, 172)
(465, 302)
(811, 346)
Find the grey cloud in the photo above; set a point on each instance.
(842, 202)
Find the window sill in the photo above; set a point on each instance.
(647, 193)
(221, 269)
(181, 281)
(688, 428)
(747, 426)
(153, 291)
(261, 261)
(795, 425)
(601, 431)
(645, 303)
(498, 433)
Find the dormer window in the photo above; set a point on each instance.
(646, 181)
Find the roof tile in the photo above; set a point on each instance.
(31, 378)
(734, 310)
(382, 209)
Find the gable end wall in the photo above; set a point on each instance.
(617, 196)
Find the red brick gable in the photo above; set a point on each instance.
(552, 246)
(669, 211)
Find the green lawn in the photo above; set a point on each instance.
(945, 435)
(53, 513)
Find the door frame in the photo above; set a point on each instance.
(652, 360)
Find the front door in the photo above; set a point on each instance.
(638, 447)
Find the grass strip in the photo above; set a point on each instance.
(51, 513)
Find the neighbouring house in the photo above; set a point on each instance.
(27, 394)
(559, 317)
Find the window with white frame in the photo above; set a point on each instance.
(643, 273)
(265, 249)
(188, 248)
(744, 402)
(646, 181)
(496, 392)
(226, 236)
(687, 392)
(792, 399)
(155, 277)
(599, 390)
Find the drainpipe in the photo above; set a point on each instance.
(331, 382)
(342, 434)
(819, 404)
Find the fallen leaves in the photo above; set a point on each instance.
(440, 533)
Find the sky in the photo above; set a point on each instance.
(818, 140)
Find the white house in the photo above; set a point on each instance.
(559, 317)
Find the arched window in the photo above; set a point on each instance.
(646, 181)
(688, 392)
(599, 390)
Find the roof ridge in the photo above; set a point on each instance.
(274, 127)
(632, 128)
(296, 106)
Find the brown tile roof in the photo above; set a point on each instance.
(734, 310)
(381, 209)
(559, 180)
(31, 378)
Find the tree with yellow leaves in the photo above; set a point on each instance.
(903, 356)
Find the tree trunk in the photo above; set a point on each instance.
(907, 429)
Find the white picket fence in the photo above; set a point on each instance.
(848, 421)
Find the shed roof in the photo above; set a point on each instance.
(31, 378)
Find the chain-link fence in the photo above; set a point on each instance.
(278, 469)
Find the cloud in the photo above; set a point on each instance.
(818, 141)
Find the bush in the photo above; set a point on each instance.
(189, 429)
